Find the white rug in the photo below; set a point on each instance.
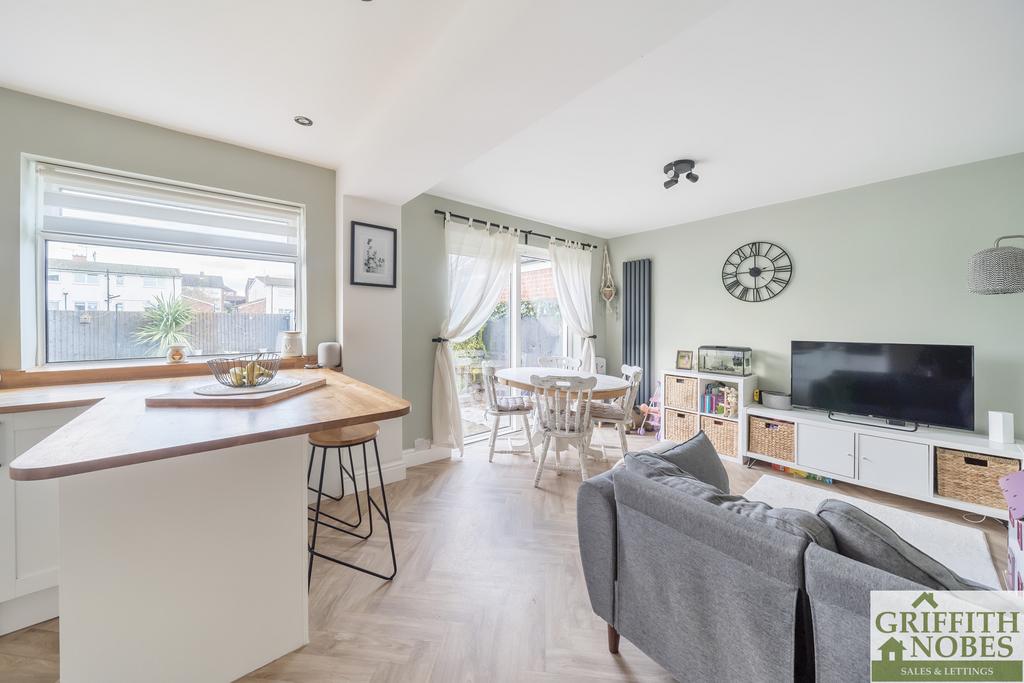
(962, 549)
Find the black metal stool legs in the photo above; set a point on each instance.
(342, 473)
(370, 507)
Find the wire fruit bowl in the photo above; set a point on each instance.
(249, 370)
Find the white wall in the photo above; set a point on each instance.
(371, 329)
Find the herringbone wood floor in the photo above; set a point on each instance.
(489, 587)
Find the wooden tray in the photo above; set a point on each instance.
(190, 399)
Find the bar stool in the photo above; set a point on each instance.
(347, 437)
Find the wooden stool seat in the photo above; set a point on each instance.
(341, 437)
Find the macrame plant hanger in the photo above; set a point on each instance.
(607, 283)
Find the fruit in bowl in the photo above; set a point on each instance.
(245, 371)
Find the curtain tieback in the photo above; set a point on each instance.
(593, 336)
(440, 340)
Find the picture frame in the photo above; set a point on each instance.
(373, 255)
(684, 360)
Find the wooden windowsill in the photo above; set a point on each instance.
(83, 373)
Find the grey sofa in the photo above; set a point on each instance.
(706, 594)
(714, 596)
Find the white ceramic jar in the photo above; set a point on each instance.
(291, 344)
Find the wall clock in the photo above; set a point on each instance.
(757, 271)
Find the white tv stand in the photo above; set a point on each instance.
(877, 457)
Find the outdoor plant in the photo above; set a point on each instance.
(164, 321)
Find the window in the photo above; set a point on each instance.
(82, 278)
(136, 248)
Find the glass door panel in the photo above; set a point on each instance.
(540, 321)
(491, 345)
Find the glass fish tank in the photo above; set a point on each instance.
(724, 360)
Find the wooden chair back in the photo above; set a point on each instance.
(632, 374)
(560, 362)
(490, 384)
(563, 404)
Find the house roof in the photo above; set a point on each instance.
(275, 281)
(202, 280)
(70, 265)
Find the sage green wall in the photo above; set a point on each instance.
(44, 127)
(424, 291)
(882, 262)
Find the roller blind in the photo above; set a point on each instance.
(86, 204)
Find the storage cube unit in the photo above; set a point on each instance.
(946, 467)
(695, 401)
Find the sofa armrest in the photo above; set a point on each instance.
(596, 525)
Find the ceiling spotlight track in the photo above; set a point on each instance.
(680, 167)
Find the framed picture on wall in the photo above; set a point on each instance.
(374, 260)
(684, 360)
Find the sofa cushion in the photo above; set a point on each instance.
(796, 522)
(697, 457)
(870, 541)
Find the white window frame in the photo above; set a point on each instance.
(32, 201)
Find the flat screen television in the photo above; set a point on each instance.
(930, 384)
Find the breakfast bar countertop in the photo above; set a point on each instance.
(119, 429)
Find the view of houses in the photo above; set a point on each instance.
(80, 284)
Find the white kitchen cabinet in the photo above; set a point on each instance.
(822, 448)
(29, 548)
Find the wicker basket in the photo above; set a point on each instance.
(774, 438)
(972, 477)
(679, 426)
(722, 434)
(681, 392)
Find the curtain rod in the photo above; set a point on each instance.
(585, 245)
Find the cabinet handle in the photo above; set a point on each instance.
(866, 459)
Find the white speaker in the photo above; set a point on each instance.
(328, 354)
(1000, 427)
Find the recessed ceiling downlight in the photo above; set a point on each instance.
(304, 121)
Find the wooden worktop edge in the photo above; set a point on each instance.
(57, 376)
(42, 473)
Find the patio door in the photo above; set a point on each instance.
(524, 325)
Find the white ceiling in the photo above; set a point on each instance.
(403, 92)
(559, 110)
(776, 101)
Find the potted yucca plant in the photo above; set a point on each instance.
(163, 326)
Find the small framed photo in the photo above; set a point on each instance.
(374, 251)
(684, 360)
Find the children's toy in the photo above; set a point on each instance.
(652, 414)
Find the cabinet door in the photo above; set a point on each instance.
(893, 464)
(31, 536)
(7, 521)
(825, 449)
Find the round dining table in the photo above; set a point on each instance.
(608, 387)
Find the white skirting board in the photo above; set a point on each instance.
(186, 569)
(413, 457)
(28, 610)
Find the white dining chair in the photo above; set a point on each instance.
(560, 362)
(500, 406)
(619, 411)
(563, 412)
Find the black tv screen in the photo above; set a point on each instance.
(929, 384)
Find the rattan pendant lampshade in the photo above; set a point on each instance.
(997, 270)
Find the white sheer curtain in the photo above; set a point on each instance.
(570, 265)
(479, 264)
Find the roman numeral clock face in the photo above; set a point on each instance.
(757, 271)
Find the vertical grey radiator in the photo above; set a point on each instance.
(636, 321)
